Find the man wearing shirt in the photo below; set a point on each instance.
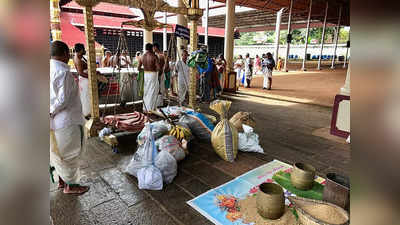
(66, 131)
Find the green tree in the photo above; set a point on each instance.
(298, 36)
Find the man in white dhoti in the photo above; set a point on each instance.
(182, 69)
(151, 65)
(269, 64)
(66, 133)
(248, 71)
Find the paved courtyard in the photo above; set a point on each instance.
(288, 132)
(311, 86)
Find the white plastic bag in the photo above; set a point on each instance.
(159, 128)
(170, 144)
(248, 141)
(142, 164)
(104, 132)
(167, 165)
(150, 178)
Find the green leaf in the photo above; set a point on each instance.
(283, 179)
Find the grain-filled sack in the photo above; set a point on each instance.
(200, 125)
(241, 118)
(224, 137)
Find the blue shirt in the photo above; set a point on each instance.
(209, 68)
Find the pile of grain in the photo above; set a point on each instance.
(248, 208)
(325, 213)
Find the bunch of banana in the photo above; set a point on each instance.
(180, 132)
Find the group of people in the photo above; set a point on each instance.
(124, 61)
(246, 68)
(67, 112)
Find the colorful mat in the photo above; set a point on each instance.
(220, 205)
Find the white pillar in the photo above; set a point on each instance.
(165, 45)
(183, 22)
(345, 90)
(323, 36)
(306, 41)
(229, 29)
(277, 33)
(336, 38)
(206, 25)
(345, 58)
(287, 44)
(147, 38)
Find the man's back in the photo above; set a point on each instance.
(161, 59)
(149, 61)
(64, 96)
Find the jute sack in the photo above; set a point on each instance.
(224, 137)
(241, 118)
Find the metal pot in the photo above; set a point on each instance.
(270, 201)
(302, 176)
(337, 190)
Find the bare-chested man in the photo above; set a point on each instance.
(151, 67)
(82, 69)
(161, 58)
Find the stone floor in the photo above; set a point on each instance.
(287, 132)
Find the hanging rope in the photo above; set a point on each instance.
(122, 83)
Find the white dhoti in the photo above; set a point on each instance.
(84, 95)
(162, 83)
(183, 86)
(150, 90)
(66, 147)
(267, 76)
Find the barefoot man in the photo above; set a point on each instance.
(151, 68)
(66, 134)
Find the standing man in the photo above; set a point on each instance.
(205, 78)
(81, 68)
(151, 67)
(106, 61)
(125, 60)
(269, 66)
(167, 73)
(239, 66)
(248, 71)
(66, 131)
(161, 60)
(183, 71)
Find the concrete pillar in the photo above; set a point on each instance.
(147, 38)
(229, 29)
(165, 44)
(277, 34)
(289, 27)
(206, 25)
(323, 36)
(181, 21)
(345, 90)
(306, 41)
(336, 38)
(345, 57)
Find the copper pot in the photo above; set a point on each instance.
(270, 201)
(302, 176)
(337, 190)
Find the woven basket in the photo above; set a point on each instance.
(307, 219)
